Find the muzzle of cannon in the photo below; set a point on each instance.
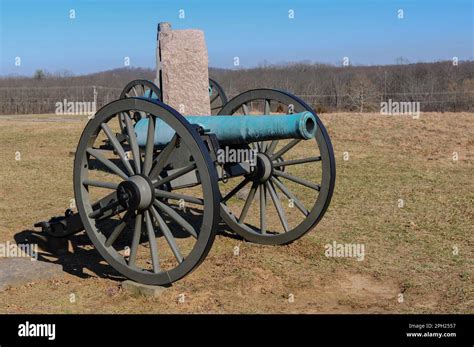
(238, 129)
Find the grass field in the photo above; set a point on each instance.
(419, 257)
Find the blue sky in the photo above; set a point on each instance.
(104, 32)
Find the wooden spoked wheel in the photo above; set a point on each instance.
(138, 223)
(294, 182)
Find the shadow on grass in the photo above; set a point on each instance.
(76, 253)
(71, 253)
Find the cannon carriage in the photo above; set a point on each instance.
(152, 186)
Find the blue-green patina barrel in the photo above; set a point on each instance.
(239, 129)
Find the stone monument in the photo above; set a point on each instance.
(182, 70)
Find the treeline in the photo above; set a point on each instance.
(440, 86)
(116, 78)
(40, 93)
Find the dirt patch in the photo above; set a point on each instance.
(358, 291)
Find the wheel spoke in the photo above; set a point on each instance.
(138, 90)
(176, 217)
(263, 209)
(290, 195)
(248, 202)
(266, 109)
(100, 184)
(245, 109)
(297, 180)
(118, 229)
(118, 148)
(175, 175)
(285, 149)
(175, 196)
(296, 161)
(214, 99)
(236, 189)
(272, 147)
(100, 157)
(278, 206)
(168, 235)
(150, 143)
(132, 139)
(162, 158)
(254, 146)
(137, 232)
(152, 240)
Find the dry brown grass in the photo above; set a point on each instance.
(409, 250)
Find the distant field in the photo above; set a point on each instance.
(410, 261)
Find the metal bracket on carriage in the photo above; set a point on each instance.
(224, 170)
(211, 142)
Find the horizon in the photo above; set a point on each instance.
(103, 34)
(69, 74)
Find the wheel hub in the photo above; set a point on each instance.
(137, 193)
(264, 168)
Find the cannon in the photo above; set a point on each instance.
(151, 191)
(237, 129)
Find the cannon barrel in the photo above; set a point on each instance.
(239, 129)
